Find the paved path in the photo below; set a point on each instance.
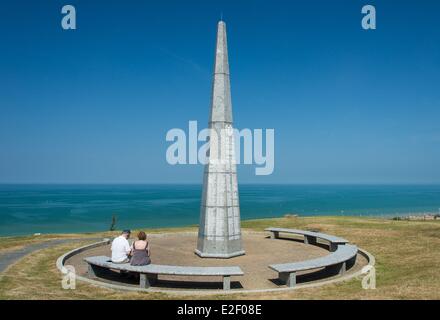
(9, 258)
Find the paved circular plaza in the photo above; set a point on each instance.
(261, 251)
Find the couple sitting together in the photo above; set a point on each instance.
(137, 255)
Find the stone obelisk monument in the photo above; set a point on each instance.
(219, 229)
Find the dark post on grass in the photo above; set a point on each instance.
(113, 224)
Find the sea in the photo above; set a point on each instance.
(32, 208)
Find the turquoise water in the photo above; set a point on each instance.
(28, 209)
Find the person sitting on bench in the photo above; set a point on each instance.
(121, 250)
(141, 251)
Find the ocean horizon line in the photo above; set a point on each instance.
(241, 183)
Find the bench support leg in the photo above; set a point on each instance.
(274, 234)
(94, 271)
(146, 280)
(309, 240)
(143, 281)
(289, 278)
(351, 262)
(343, 268)
(333, 247)
(337, 269)
(226, 282)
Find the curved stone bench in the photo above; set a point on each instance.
(149, 273)
(310, 237)
(337, 262)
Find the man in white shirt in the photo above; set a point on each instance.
(121, 248)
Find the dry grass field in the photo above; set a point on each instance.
(407, 259)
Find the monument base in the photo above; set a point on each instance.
(220, 248)
(219, 255)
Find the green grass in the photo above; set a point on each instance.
(407, 254)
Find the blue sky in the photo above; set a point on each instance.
(94, 105)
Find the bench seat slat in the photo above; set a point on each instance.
(105, 262)
(330, 238)
(342, 254)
